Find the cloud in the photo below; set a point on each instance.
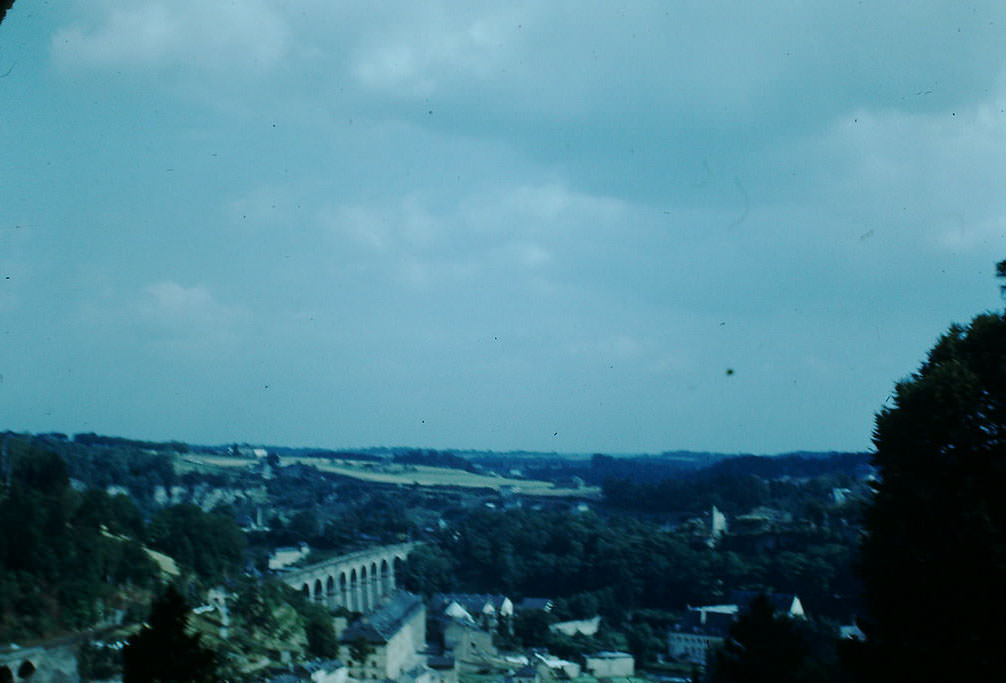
(494, 233)
(418, 56)
(250, 35)
(189, 315)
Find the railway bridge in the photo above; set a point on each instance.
(358, 581)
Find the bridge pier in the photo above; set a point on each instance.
(358, 581)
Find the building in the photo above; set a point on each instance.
(610, 664)
(786, 603)
(552, 667)
(391, 638)
(326, 671)
(705, 628)
(531, 604)
(702, 630)
(284, 557)
(490, 612)
(585, 627)
(467, 643)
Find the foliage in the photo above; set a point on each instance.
(97, 663)
(359, 649)
(164, 650)
(211, 544)
(531, 626)
(428, 570)
(92, 439)
(614, 565)
(58, 562)
(4, 6)
(735, 485)
(320, 632)
(255, 604)
(765, 647)
(934, 556)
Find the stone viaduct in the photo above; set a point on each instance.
(359, 581)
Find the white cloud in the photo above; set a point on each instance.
(419, 54)
(189, 314)
(245, 36)
(492, 232)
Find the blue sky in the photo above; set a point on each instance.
(568, 226)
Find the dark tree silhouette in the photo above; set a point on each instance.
(320, 632)
(765, 647)
(164, 650)
(933, 559)
(4, 6)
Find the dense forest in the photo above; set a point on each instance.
(617, 564)
(71, 559)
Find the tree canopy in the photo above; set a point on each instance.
(934, 555)
(164, 650)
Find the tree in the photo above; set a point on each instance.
(164, 650)
(4, 6)
(209, 543)
(359, 649)
(765, 647)
(933, 558)
(94, 663)
(320, 632)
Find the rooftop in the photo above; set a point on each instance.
(382, 625)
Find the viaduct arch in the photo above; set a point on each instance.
(358, 581)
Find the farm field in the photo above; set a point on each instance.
(407, 475)
(425, 475)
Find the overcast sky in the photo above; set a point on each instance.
(560, 226)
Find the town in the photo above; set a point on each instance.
(426, 566)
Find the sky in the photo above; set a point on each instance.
(613, 227)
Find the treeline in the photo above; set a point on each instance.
(611, 566)
(651, 468)
(794, 484)
(64, 555)
(92, 439)
(69, 558)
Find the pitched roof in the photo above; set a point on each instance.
(381, 626)
(474, 603)
(543, 604)
(788, 603)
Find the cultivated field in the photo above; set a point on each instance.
(409, 475)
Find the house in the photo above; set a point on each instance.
(553, 667)
(327, 671)
(717, 526)
(851, 632)
(391, 638)
(488, 611)
(586, 627)
(786, 603)
(701, 630)
(610, 664)
(284, 557)
(525, 674)
(704, 628)
(531, 604)
(445, 668)
(468, 643)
